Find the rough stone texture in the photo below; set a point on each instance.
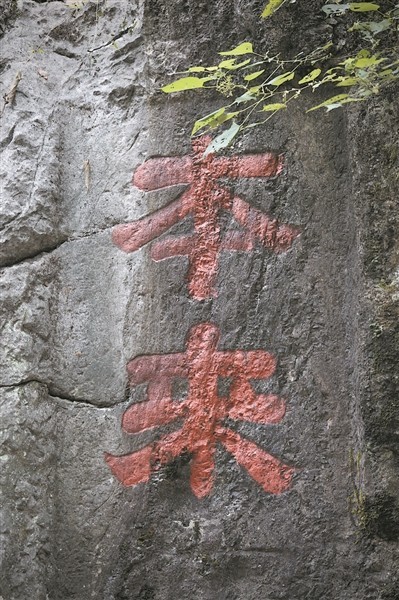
(28, 479)
(375, 179)
(75, 309)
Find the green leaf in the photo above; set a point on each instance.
(280, 79)
(311, 76)
(363, 53)
(334, 102)
(226, 117)
(364, 63)
(363, 6)
(339, 104)
(385, 73)
(203, 122)
(340, 9)
(327, 46)
(185, 83)
(213, 120)
(223, 139)
(227, 64)
(274, 107)
(230, 64)
(271, 8)
(347, 81)
(247, 97)
(196, 69)
(335, 9)
(244, 48)
(374, 27)
(365, 93)
(243, 63)
(362, 60)
(252, 76)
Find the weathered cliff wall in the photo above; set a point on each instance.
(301, 502)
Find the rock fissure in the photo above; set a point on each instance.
(34, 256)
(60, 395)
(51, 249)
(8, 138)
(56, 394)
(117, 36)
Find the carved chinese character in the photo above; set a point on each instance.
(203, 413)
(203, 200)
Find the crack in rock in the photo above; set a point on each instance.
(53, 248)
(43, 251)
(59, 395)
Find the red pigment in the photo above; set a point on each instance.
(203, 413)
(204, 199)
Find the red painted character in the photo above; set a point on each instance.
(204, 199)
(203, 413)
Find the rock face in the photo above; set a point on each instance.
(201, 404)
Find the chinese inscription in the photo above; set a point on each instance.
(203, 413)
(204, 199)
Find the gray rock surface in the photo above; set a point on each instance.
(75, 309)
